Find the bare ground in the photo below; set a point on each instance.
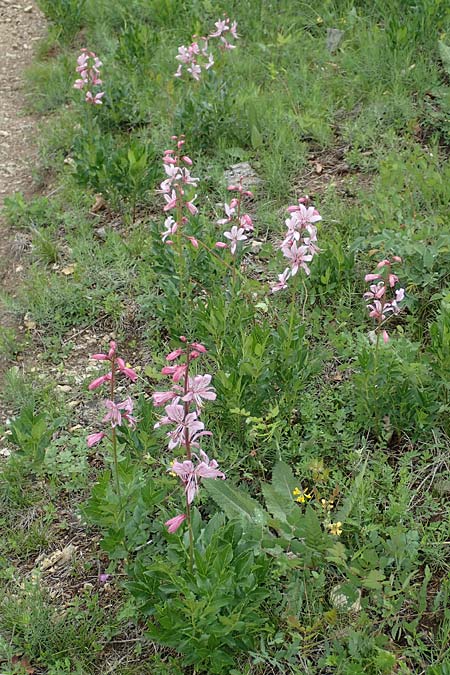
(21, 26)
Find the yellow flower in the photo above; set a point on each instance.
(327, 505)
(172, 473)
(335, 528)
(301, 495)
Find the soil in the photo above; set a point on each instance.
(21, 26)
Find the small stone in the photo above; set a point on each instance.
(65, 388)
(28, 9)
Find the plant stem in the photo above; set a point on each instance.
(179, 213)
(114, 435)
(187, 442)
(292, 314)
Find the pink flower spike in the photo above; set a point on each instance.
(174, 523)
(385, 336)
(93, 439)
(99, 381)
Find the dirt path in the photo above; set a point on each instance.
(21, 26)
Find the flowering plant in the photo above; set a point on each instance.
(88, 68)
(299, 245)
(197, 56)
(383, 297)
(240, 222)
(187, 391)
(116, 413)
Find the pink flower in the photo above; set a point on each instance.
(221, 26)
(191, 474)
(199, 389)
(99, 381)
(93, 439)
(95, 100)
(171, 228)
(282, 281)
(199, 347)
(235, 235)
(230, 210)
(163, 397)
(175, 354)
(246, 222)
(177, 372)
(298, 256)
(188, 427)
(376, 291)
(372, 277)
(125, 370)
(114, 416)
(174, 523)
(385, 336)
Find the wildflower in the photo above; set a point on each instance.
(282, 281)
(382, 298)
(335, 528)
(93, 439)
(115, 414)
(103, 578)
(162, 397)
(301, 495)
(88, 67)
(99, 381)
(199, 389)
(197, 55)
(327, 505)
(299, 245)
(174, 523)
(173, 189)
(191, 474)
(297, 256)
(235, 235)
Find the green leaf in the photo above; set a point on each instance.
(256, 138)
(373, 580)
(276, 503)
(284, 481)
(234, 502)
(444, 53)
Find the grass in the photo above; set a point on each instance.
(364, 131)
